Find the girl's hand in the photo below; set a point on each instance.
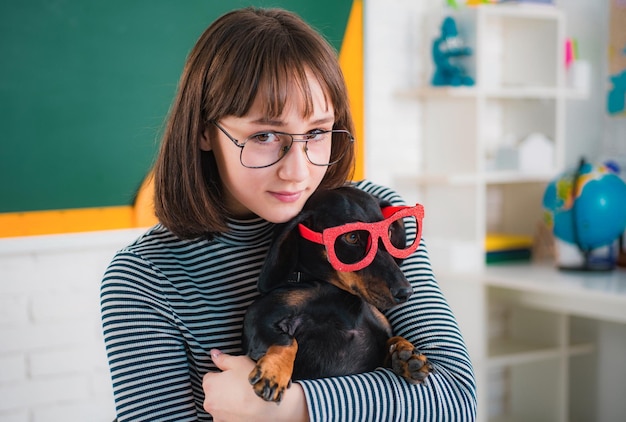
(228, 396)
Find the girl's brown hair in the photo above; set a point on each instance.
(243, 54)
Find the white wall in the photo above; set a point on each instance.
(52, 361)
(591, 131)
(393, 49)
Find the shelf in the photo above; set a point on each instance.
(542, 286)
(496, 177)
(506, 418)
(489, 177)
(581, 349)
(507, 353)
(512, 418)
(511, 92)
(506, 92)
(520, 10)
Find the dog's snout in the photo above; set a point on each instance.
(401, 294)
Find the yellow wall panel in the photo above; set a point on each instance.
(65, 221)
(351, 61)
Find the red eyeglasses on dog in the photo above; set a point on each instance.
(367, 235)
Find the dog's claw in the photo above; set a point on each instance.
(254, 376)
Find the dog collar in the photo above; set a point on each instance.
(295, 277)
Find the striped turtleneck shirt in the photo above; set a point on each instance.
(166, 302)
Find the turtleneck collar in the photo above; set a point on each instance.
(250, 231)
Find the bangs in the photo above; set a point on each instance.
(274, 66)
(274, 69)
(286, 82)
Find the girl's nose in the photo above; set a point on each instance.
(295, 165)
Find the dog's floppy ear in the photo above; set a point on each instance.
(282, 258)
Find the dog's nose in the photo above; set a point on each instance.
(401, 294)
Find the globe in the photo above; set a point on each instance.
(586, 206)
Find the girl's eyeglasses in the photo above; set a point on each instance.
(264, 149)
(362, 238)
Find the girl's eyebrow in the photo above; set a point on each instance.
(273, 122)
(267, 121)
(324, 120)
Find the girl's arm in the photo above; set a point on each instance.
(154, 377)
(147, 358)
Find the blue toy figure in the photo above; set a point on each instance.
(616, 100)
(447, 49)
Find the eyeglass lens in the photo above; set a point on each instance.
(266, 148)
(363, 239)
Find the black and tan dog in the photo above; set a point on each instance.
(320, 310)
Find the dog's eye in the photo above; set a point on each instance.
(351, 238)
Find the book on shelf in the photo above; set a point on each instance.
(501, 248)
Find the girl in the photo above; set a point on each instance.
(261, 120)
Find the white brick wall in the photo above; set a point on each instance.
(52, 361)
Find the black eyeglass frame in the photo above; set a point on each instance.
(241, 145)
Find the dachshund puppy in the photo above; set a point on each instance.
(329, 273)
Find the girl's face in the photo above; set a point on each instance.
(276, 193)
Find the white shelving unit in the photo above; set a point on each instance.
(522, 353)
(517, 63)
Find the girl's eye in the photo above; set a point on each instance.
(264, 137)
(316, 135)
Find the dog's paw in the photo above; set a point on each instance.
(272, 374)
(406, 362)
(268, 385)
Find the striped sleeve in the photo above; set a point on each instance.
(427, 321)
(147, 356)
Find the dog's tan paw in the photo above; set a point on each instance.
(403, 359)
(272, 374)
(268, 385)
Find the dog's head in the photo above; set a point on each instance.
(380, 283)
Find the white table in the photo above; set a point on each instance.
(597, 295)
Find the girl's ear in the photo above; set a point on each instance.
(205, 142)
(282, 259)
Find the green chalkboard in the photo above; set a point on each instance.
(85, 86)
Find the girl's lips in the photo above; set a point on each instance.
(287, 196)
